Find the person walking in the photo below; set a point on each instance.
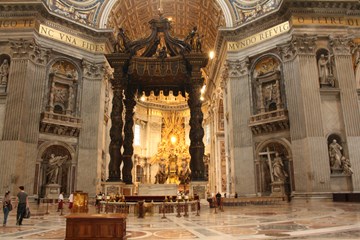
(7, 206)
(23, 203)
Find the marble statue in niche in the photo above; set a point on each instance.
(335, 153)
(52, 171)
(279, 174)
(338, 162)
(325, 64)
(4, 72)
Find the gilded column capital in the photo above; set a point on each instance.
(93, 70)
(299, 45)
(340, 45)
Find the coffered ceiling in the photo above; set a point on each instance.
(134, 15)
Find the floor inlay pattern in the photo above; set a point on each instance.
(314, 220)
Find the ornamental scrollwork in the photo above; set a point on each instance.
(339, 45)
(93, 70)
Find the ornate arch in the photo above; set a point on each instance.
(42, 148)
(110, 4)
(282, 141)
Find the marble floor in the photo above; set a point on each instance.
(296, 220)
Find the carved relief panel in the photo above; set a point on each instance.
(267, 85)
(63, 88)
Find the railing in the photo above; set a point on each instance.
(150, 208)
(266, 117)
(252, 201)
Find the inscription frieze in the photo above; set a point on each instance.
(326, 20)
(259, 37)
(71, 39)
(16, 23)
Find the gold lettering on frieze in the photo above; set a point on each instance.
(326, 20)
(71, 39)
(16, 23)
(259, 37)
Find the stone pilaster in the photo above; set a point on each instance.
(18, 148)
(238, 111)
(90, 139)
(349, 103)
(309, 146)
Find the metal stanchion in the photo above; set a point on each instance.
(221, 205)
(164, 205)
(186, 208)
(198, 208)
(47, 206)
(61, 210)
(178, 210)
(216, 206)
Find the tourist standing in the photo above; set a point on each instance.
(7, 206)
(71, 200)
(23, 203)
(60, 201)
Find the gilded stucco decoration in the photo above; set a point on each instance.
(85, 12)
(247, 10)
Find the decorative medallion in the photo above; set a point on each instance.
(247, 10)
(85, 12)
(246, 4)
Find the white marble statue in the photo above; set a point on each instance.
(279, 173)
(335, 154)
(53, 168)
(4, 72)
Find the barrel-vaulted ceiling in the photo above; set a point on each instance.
(134, 15)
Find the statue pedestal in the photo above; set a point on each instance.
(198, 188)
(278, 189)
(52, 191)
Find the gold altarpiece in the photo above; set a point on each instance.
(173, 153)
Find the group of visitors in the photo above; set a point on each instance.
(23, 205)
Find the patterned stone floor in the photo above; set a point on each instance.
(296, 220)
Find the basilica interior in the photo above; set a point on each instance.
(253, 99)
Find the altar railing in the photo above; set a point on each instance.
(151, 208)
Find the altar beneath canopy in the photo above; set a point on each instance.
(158, 189)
